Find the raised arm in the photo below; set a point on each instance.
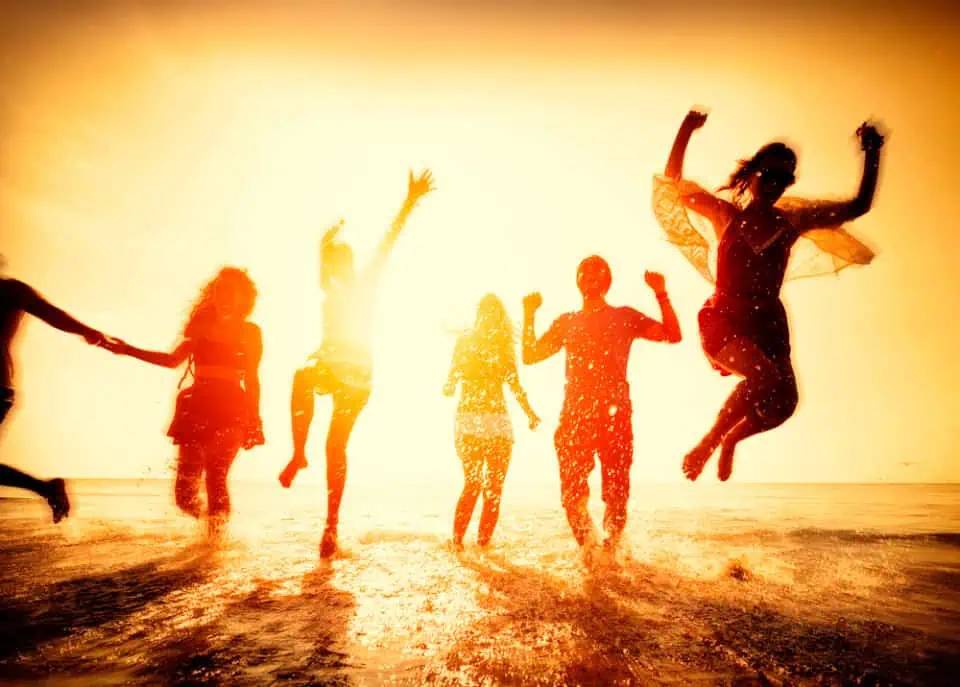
(534, 350)
(417, 187)
(832, 214)
(35, 304)
(694, 197)
(668, 329)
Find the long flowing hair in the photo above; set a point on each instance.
(739, 182)
(203, 313)
(493, 332)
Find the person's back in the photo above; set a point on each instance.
(598, 343)
(482, 372)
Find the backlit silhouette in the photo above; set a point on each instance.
(483, 361)
(220, 412)
(597, 414)
(343, 365)
(17, 298)
(743, 326)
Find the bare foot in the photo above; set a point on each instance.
(58, 500)
(328, 545)
(296, 464)
(725, 466)
(695, 461)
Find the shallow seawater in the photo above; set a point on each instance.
(744, 584)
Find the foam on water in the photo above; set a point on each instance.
(766, 584)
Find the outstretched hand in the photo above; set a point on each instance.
(870, 137)
(532, 302)
(420, 186)
(656, 281)
(534, 421)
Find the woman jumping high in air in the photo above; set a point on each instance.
(343, 365)
(220, 412)
(483, 360)
(743, 326)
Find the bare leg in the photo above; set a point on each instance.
(471, 456)
(301, 415)
(346, 410)
(187, 483)
(744, 358)
(219, 461)
(497, 462)
(54, 490)
(776, 410)
(576, 464)
(615, 462)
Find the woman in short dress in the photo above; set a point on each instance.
(760, 239)
(483, 360)
(219, 413)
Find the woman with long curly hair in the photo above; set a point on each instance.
(760, 238)
(219, 413)
(484, 360)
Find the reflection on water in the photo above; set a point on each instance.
(758, 584)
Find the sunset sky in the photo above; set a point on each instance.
(142, 145)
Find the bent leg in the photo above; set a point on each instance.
(744, 358)
(187, 483)
(301, 415)
(778, 404)
(54, 490)
(471, 456)
(498, 454)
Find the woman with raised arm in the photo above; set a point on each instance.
(343, 365)
(220, 412)
(743, 326)
(484, 360)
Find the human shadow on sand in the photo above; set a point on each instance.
(633, 623)
(64, 608)
(269, 636)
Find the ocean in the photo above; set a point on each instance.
(734, 584)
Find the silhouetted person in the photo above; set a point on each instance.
(743, 326)
(597, 415)
(483, 361)
(343, 364)
(220, 412)
(17, 298)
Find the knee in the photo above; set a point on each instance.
(303, 379)
(781, 401)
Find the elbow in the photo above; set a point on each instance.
(675, 337)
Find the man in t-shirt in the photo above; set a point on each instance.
(597, 413)
(17, 298)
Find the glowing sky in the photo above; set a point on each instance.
(140, 148)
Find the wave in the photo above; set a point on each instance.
(816, 534)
